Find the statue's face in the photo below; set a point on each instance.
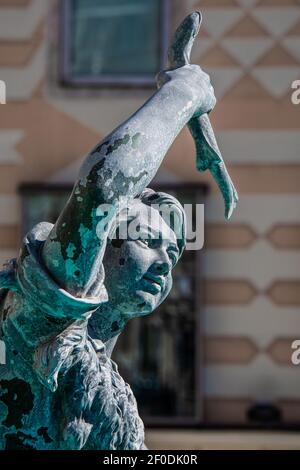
(138, 272)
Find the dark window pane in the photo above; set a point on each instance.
(115, 37)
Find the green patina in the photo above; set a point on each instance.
(100, 146)
(17, 441)
(117, 143)
(43, 432)
(122, 183)
(83, 220)
(136, 140)
(71, 250)
(24, 253)
(17, 396)
(70, 268)
(85, 233)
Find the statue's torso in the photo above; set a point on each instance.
(86, 403)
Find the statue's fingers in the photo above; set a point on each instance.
(229, 203)
(232, 202)
(180, 50)
(236, 196)
(226, 186)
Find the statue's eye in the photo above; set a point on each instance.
(151, 242)
(173, 258)
(173, 255)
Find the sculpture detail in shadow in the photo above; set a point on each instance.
(77, 283)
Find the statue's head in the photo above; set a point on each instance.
(138, 267)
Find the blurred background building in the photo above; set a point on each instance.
(218, 353)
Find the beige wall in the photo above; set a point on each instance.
(164, 439)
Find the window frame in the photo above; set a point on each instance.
(109, 80)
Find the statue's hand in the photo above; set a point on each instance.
(195, 83)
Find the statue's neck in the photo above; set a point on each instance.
(110, 345)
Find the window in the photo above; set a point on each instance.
(113, 42)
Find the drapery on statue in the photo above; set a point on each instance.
(69, 294)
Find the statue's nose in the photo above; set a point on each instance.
(161, 268)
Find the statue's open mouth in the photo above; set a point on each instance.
(156, 282)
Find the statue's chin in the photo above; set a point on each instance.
(143, 304)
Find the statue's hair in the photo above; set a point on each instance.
(175, 217)
(168, 207)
